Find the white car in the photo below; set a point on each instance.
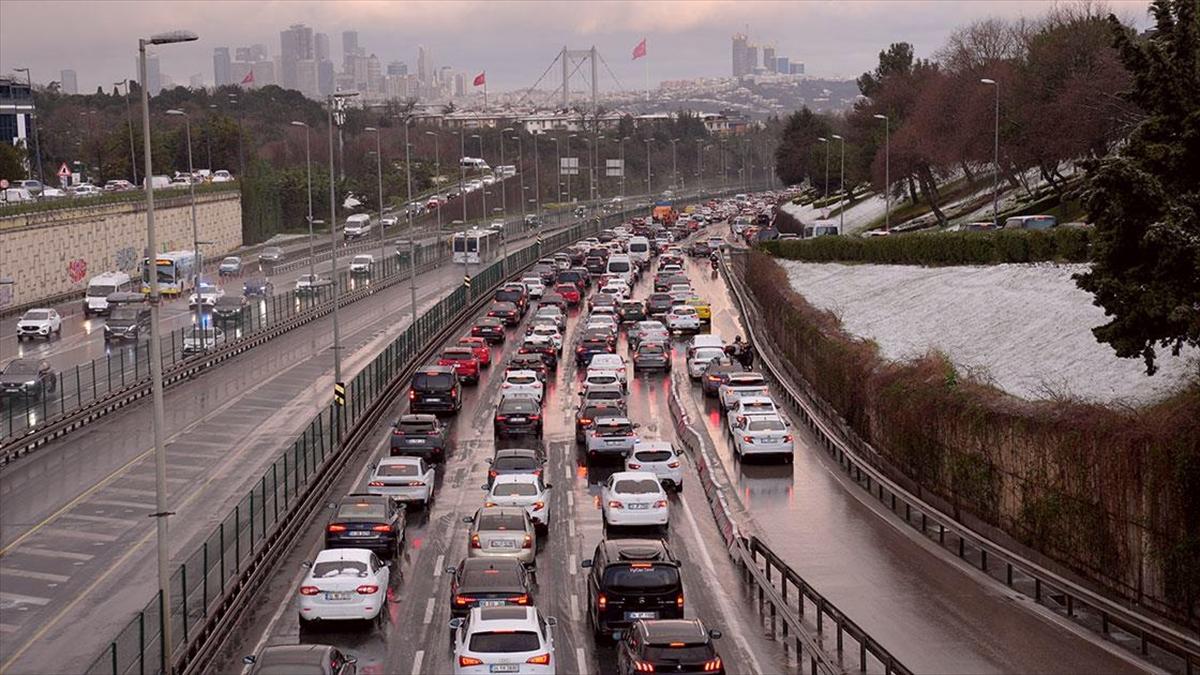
(683, 318)
(343, 584)
(221, 176)
(680, 288)
(362, 263)
(549, 330)
(389, 221)
(659, 458)
(612, 436)
(610, 362)
(634, 498)
(86, 190)
(512, 639)
(750, 405)
(762, 435)
(404, 479)
(603, 376)
(196, 340)
(700, 358)
(534, 286)
(617, 290)
(42, 322)
(739, 385)
(551, 313)
(523, 383)
(206, 295)
(524, 490)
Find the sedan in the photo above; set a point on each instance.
(524, 491)
(652, 356)
(517, 415)
(230, 266)
(750, 405)
(489, 328)
(488, 582)
(716, 373)
(404, 479)
(43, 322)
(501, 532)
(343, 584)
(659, 458)
(321, 659)
(271, 255)
(516, 460)
(658, 304)
(534, 286)
(762, 435)
(367, 521)
(507, 312)
(634, 498)
(642, 330)
(683, 318)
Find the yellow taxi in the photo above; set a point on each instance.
(703, 309)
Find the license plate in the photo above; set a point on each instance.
(434, 400)
(516, 419)
(634, 616)
(359, 533)
(503, 543)
(638, 507)
(414, 441)
(615, 442)
(504, 668)
(491, 603)
(338, 595)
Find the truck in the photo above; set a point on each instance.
(664, 213)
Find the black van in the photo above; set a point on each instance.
(127, 320)
(629, 580)
(435, 389)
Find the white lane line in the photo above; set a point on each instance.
(17, 599)
(437, 566)
(571, 528)
(417, 659)
(428, 611)
(120, 503)
(572, 564)
(28, 574)
(50, 553)
(570, 500)
(76, 534)
(575, 607)
(580, 660)
(127, 521)
(8, 628)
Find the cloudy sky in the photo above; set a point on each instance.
(515, 41)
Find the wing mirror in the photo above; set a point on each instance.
(249, 659)
(469, 519)
(586, 564)
(714, 634)
(455, 624)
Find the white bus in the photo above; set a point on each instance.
(475, 246)
(176, 272)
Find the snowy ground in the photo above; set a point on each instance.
(857, 216)
(1025, 328)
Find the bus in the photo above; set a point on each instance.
(475, 245)
(176, 272)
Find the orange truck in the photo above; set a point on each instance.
(664, 213)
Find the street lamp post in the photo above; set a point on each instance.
(437, 167)
(156, 376)
(887, 170)
(483, 190)
(648, 190)
(187, 126)
(379, 176)
(995, 155)
(520, 171)
(842, 183)
(37, 145)
(462, 168)
(312, 258)
(699, 161)
(537, 180)
(129, 116)
(622, 144)
(241, 132)
(336, 100)
(558, 165)
(674, 165)
(825, 199)
(569, 137)
(412, 236)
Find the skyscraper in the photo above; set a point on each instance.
(221, 67)
(321, 46)
(349, 50)
(751, 59)
(783, 65)
(768, 58)
(251, 54)
(295, 44)
(424, 65)
(397, 68)
(69, 83)
(460, 84)
(741, 57)
(374, 76)
(307, 78)
(325, 79)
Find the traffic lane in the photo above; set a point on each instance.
(923, 604)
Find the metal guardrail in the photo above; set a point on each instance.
(1049, 589)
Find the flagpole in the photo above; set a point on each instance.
(485, 93)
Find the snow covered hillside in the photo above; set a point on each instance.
(1025, 328)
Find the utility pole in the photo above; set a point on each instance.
(312, 258)
(887, 170)
(129, 115)
(336, 118)
(412, 235)
(379, 174)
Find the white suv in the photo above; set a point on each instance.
(343, 584)
(512, 639)
(659, 458)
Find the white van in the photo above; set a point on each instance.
(15, 195)
(620, 265)
(95, 299)
(357, 226)
(475, 163)
(158, 182)
(1030, 223)
(639, 250)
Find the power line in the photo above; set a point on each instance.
(529, 91)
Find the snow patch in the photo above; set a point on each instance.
(1024, 328)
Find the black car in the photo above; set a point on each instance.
(517, 416)
(594, 264)
(310, 659)
(586, 416)
(658, 303)
(229, 308)
(507, 312)
(669, 646)
(514, 293)
(127, 322)
(591, 345)
(700, 249)
(373, 522)
(632, 311)
(257, 288)
(554, 300)
(717, 373)
(489, 328)
(575, 275)
(632, 579)
(530, 361)
(421, 435)
(435, 389)
(490, 582)
(543, 348)
(602, 300)
(515, 460)
(546, 271)
(30, 378)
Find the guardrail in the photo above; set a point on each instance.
(1049, 589)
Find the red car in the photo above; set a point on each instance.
(570, 293)
(464, 362)
(480, 346)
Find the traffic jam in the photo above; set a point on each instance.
(569, 367)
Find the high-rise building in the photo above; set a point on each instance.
(306, 78)
(321, 46)
(374, 76)
(221, 67)
(797, 69)
(751, 58)
(783, 65)
(768, 58)
(325, 82)
(460, 84)
(349, 50)
(68, 82)
(741, 57)
(153, 77)
(358, 68)
(295, 44)
(397, 68)
(251, 54)
(424, 65)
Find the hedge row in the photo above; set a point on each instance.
(1061, 244)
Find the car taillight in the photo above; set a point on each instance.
(375, 483)
(415, 483)
(713, 665)
(714, 378)
(468, 661)
(475, 541)
(673, 465)
(538, 506)
(643, 667)
(309, 590)
(367, 589)
(537, 472)
(381, 528)
(522, 599)
(679, 601)
(539, 660)
(412, 394)
(660, 504)
(336, 528)
(454, 391)
(493, 473)
(602, 602)
(787, 438)
(528, 543)
(501, 418)
(748, 439)
(463, 600)
(535, 417)
(633, 466)
(584, 421)
(614, 504)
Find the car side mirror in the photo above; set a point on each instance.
(351, 660)
(548, 486)
(455, 624)
(469, 519)
(489, 461)
(551, 621)
(714, 634)
(484, 487)
(450, 569)
(249, 659)
(306, 564)
(586, 563)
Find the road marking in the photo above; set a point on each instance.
(17, 599)
(131, 492)
(77, 534)
(572, 564)
(571, 528)
(571, 500)
(428, 611)
(99, 519)
(438, 565)
(50, 553)
(580, 660)
(8, 628)
(417, 658)
(121, 504)
(41, 576)
(574, 607)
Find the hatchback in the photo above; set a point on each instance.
(659, 458)
(464, 362)
(403, 479)
(524, 491)
(516, 460)
(489, 328)
(634, 498)
(343, 584)
(504, 640)
(517, 415)
(612, 436)
(420, 435)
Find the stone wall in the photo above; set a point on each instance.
(51, 254)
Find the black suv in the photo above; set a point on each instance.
(435, 389)
(514, 293)
(229, 308)
(489, 328)
(632, 579)
(507, 312)
(373, 522)
(489, 581)
(517, 415)
(127, 322)
(421, 436)
(669, 646)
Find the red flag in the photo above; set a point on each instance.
(640, 50)
(249, 78)
(480, 79)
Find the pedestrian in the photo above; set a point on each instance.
(746, 357)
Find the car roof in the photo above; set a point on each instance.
(520, 373)
(674, 630)
(509, 617)
(419, 417)
(400, 460)
(626, 549)
(518, 452)
(435, 370)
(285, 655)
(652, 445)
(633, 475)
(516, 478)
(751, 400)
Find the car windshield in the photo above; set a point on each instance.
(339, 568)
(514, 490)
(641, 577)
(100, 291)
(36, 315)
(505, 642)
(766, 425)
(21, 368)
(652, 455)
(230, 261)
(500, 521)
(397, 470)
(637, 486)
(361, 511)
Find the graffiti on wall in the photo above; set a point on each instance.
(77, 270)
(126, 258)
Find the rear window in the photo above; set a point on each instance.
(651, 348)
(641, 577)
(708, 353)
(522, 379)
(339, 568)
(433, 381)
(458, 353)
(618, 266)
(637, 486)
(514, 464)
(681, 654)
(361, 511)
(751, 406)
(515, 490)
(605, 395)
(416, 426)
(766, 425)
(508, 296)
(614, 429)
(397, 470)
(505, 642)
(653, 455)
(491, 577)
(638, 247)
(500, 521)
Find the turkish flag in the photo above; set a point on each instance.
(640, 50)
(249, 78)
(480, 79)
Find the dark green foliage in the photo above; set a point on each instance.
(797, 157)
(1062, 244)
(11, 163)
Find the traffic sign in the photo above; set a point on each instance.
(339, 393)
(569, 166)
(63, 171)
(467, 281)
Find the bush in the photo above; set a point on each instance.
(1061, 244)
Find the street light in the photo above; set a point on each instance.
(558, 169)
(887, 170)
(647, 142)
(336, 100)
(842, 183)
(187, 126)
(37, 145)
(537, 180)
(622, 144)
(569, 137)
(156, 377)
(520, 172)
(437, 167)
(312, 258)
(412, 237)
(995, 155)
(129, 116)
(483, 190)
(825, 200)
(379, 175)
(674, 165)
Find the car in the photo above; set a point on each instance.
(502, 532)
(602, 393)
(271, 255)
(741, 384)
(634, 498)
(464, 362)
(521, 490)
(643, 330)
(700, 357)
(703, 309)
(618, 291)
(591, 344)
(632, 311)
(403, 479)
(668, 646)
(28, 378)
(611, 436)
(42, 322)
(221, 176)
(765, 434)
(197, 339)
(614, 362)
(534, 286)
(659, 458)
(658, 304)
(522, 384)
(552, 313)
(652, 355)
(127, 321)
(118, 185)
(517, 415)
(86, 190)
(601, 377)
(552, 299)
(515, 460)
(362, 264)
(420, 435)
(507, 312)
(683, 319)
(490, 329)
(389, 221)
(343, 584)
(586, 415)
(546, 328)
(530, 361)
(515, 293)
(357, 226)
(257, 287)
(601, 300)
(367, 521)
(717, 373)
(229, 308)
(750, 405)
(504, 640)
(312, 284)
(435, 389)
(307, 658)
(603, 324)
(488, 582)
(595, 264)
(631, 579)
(479, 346)
(543, 346)
(206, 294)
(230, 266)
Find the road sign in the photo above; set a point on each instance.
(614, 168)
(569, 166)
(339, 393)
(467, 281)
(63, 171)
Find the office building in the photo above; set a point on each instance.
(374, 76)
(16, 113)
(306, 78)
(782, 65)
(797, 69)
(153, 77)
(768, 58)
(295, 45)
(460, 84)
(321, 46)
(222, 72)
(251, 54)
(325, 77)
(397, 68)
(349, 50)
(742, 65)
(68, 83)
(424, 65)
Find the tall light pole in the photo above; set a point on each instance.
(462, 168)
(233, 100)
(437, 169)
(129, 115)
(995, 155)
(187, 127)
(558, 167)
(520, 171)
(569, 196)
(825, 199)
(842, 183)
(537, 189)
(674, 165)
(483, 190)
(699, 161)
(156, 377)
(887, 170)
(622, 144)
(312, 257)
(336, 118)
(37, 145)
(648, 190)
(208, 138)
(379, 176)
(500, 179)
(412, 236)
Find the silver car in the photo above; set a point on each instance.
(613, 436)
(501, 532)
